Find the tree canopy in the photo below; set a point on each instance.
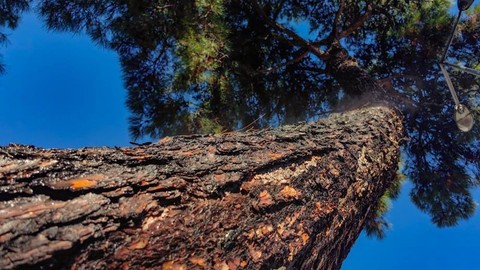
(212, 66)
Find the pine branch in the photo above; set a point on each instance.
(356, 25)
(298, 39)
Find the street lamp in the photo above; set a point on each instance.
(463, 117)
(464, 4)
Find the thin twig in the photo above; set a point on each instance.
(245, 127)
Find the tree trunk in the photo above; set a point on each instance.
(289, 198)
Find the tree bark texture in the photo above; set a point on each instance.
(354, 80)
(289, 198)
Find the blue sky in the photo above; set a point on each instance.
(60, 90)
(415, 243)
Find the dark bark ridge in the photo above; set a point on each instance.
(353, 79)
(289, 198)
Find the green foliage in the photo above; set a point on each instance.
(425, 23)
(203, 46)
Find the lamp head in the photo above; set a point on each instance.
(464, 4)
(463, 118)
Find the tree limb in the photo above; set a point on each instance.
(300, 54)
(334, 33)
(277, 9)
(386, 83)
(356, 25)
(298, 39)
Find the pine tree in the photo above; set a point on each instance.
(217, 66)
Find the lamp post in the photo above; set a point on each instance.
(463, 117)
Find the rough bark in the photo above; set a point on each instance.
(359, 83)
(289, 198)
(354, 80)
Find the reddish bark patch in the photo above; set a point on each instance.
(87, 181)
